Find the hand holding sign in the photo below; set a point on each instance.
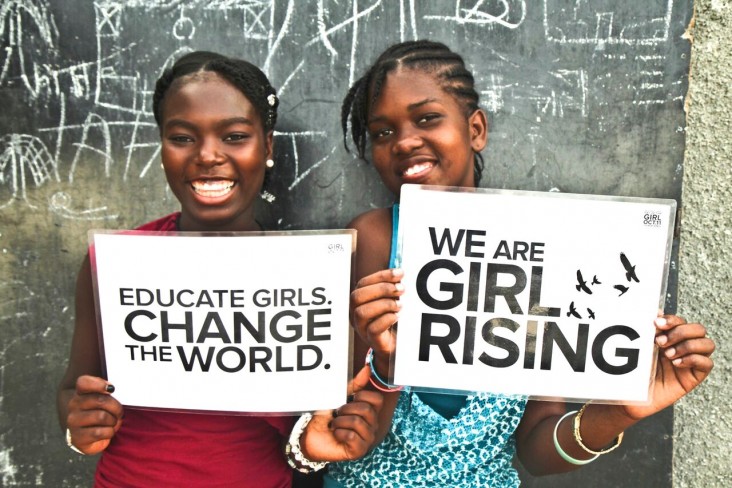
(348, 432)
(375, 307)
(683, 363)
(94, 416)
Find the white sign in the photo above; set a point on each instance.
(240, 323)
(540, 294)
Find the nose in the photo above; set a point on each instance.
(407, 140)
(210, 152)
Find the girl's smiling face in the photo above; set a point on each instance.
(420, 133)
(214, 150)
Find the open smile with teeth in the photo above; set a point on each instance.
(212, 188)
(417, 168)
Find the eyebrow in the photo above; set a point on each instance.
(221, 123)
(410, 107)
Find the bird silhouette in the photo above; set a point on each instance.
(629, 268)
(573, 312)
(582, 284)
(595, 281)
(592, 314)
(622, 289)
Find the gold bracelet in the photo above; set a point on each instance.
(578, 436)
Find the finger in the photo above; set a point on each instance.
(373, 398)
(696, 362)
(352, 428)
(367, 312)
(93, 384)
(679, 333)
(92, 402)
(666, 322)
(392, 275)
(359, 381)
(703, 346)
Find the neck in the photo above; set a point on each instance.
(245, 223)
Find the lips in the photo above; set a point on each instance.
(212, 188)
(416, 167)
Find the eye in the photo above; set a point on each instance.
(180, 138)
(236, 137)
(426, 119)
(381, 133)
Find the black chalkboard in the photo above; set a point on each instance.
(583, 96)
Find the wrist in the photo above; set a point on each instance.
(296, 458)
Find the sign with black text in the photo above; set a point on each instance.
(541, 294)
(233, 323)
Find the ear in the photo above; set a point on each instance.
(269, 145)
(478, 126)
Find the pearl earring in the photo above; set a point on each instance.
(269, 163)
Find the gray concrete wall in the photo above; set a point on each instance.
(703, 423)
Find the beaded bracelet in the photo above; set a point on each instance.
(578, 436)
(295, 458)
(560, 451)
(385, 387)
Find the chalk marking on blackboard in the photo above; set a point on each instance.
(494, 99)
(474, 15)
(576, 30)
(133, 145)
(290, 77)
(60, 205)
(295, 154)
(305, 173)
(344, 24)
(82, 145)
(651, 58)
(321, 30)
(354, 43)
(184, 22)
(20, 155)
(16, 35)
(107, 17)
(280, 35)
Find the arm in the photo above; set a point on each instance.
(684, 361)
(375, 304)
(84, 403)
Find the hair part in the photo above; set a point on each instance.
(431, 57)
(243, 75)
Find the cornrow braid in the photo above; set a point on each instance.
(431, 57)
(243, 75)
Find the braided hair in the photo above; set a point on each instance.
(431, 57)
(243, 75)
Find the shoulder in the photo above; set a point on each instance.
(374, 220)
(373, 241)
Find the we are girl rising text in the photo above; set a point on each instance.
(462, 291)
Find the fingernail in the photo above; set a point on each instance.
(335, 412)
(676, 362)
(397, 272)
(109, 388)
(661, 340)
(660, 321)
(350, 398)
(399, 287)
(670, 352)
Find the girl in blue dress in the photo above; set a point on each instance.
(416, 111)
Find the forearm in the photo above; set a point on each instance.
(600, 426)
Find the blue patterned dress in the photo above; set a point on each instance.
(423, 448)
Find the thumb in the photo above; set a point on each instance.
(360, 381)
